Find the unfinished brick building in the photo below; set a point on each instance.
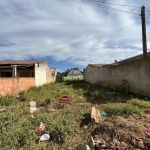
(16, 76)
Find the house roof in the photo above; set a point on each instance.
(123, 61)
(132, 58)
(97, 65)
(20, 62)
(74, 72)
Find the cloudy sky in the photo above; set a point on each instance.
(68, 33)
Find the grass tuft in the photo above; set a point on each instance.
(140, 103)
(122, 109)
(8, 100)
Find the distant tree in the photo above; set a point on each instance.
(59, 77)
(65, 72)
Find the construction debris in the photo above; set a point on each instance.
(95, 116)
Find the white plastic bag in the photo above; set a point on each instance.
(44, 137)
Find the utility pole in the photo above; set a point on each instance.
(144, 31)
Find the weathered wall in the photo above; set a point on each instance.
(40, 74)
(137, 74)
(48, 74)
(14, 85)
(54, 74)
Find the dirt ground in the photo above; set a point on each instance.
(120, 133)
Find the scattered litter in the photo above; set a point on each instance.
(33, 107)
(80, 96)
(44, 137)
(18, 96)
(103, 113)
(111, 93)
(42, 127)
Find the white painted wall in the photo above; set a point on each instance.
(40, 74)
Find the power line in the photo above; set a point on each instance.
(124, 36)
(103, 6)
(114, 3)
(128, 31)
(148, 15)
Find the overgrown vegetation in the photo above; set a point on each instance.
(63, 124)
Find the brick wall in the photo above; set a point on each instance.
(137, 74)
(14, 85)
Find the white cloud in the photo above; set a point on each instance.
(67, 30)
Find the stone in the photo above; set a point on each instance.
(83, 147)
(91, 142)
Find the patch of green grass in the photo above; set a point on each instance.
(8, 100)
(140, 103)
(40, 93)
(122, 109)
(97, 96)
